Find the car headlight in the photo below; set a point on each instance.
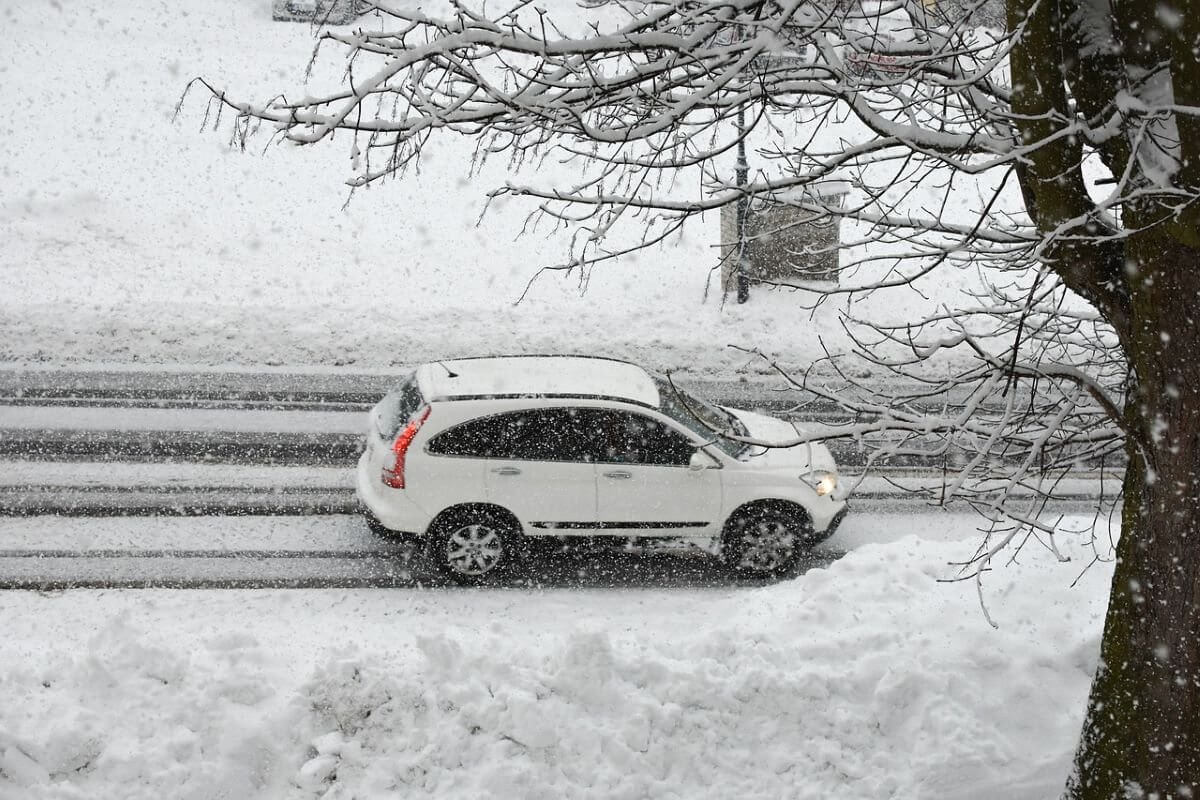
(823, 483)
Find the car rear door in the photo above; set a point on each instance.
(542, 472)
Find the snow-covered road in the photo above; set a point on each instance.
(246, 479)
(338, 550)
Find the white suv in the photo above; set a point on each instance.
(479, 455)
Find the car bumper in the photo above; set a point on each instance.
(391, 508)
(831, 528)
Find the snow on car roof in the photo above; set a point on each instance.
(537, 375)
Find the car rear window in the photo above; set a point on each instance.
(398, 406)
(545, 434)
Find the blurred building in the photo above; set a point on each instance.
(787, 242)
(321, 12)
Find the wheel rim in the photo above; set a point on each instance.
(768, 544)
(474, 549)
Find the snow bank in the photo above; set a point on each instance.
(868, 679)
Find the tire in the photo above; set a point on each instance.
(763, 541)
(474, 546)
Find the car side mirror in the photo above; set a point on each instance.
(701, 460)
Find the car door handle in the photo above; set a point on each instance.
(507, 471)
(619, 474)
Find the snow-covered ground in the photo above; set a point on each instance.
(868, 678)
(134, 236)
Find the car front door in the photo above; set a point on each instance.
(644, 484)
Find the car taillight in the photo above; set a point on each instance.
(394, 477)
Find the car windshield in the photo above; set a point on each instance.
(702, 418)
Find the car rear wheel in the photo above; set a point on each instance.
(472, 547)
(763, 541)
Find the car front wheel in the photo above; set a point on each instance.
(763, 542)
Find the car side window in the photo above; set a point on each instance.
(622, 437)
(552, 434)
(485, 437)
(547, 434)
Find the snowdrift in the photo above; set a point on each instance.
(867, 679)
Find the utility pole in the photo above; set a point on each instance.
(741, 176)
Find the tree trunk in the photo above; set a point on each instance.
(1141, 735)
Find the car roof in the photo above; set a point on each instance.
(537, 376)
